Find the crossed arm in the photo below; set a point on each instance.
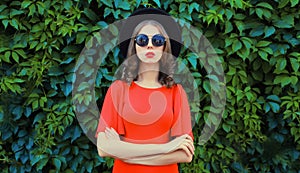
(179, 150)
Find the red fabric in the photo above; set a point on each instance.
(143, 115)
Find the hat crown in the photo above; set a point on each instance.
(170, 25)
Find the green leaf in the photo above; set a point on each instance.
(25, 4)
(263, 43)
(228, 27)
(14, 12)
(274, 106)
(237, 45)
(295, 64)
(274, 98)
(3, 49)
(66, 88)
(286, 21)
(15, 56)
(157, 2)
(35, 158)
(294, 80)
(192, 58)
(269, 30)
(80, 37)
(113, 29)
(125, 5)
(90, 14)
(283, 3)
(71, 49)
(6, 57)
(282, 79)
(182, 7)
(255, 32)
(263, 55)
(57, 163)
(41, 7)
(247, 42)
(107, 11)
(294, 2)
(107, 3)
(259, 12)
(83, 86)
(32, 10)
(267, 50)
(281, 64)
(193, 6)
(265, 5)
(42, 163)
(76, 134)
(2, 7)
(21, 53)
(206, 86)
(55, 71)
(5, 23)
(17, 110)
(226, 127)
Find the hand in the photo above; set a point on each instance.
(184, 142)
(111, 134)
(187, 146)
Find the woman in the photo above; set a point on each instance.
(145, 120)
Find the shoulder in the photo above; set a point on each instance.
(179, 91)
(118, 86)
(177, 87)
(118, 83)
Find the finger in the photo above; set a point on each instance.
(189, 137)
(109, 133)
(185, 135)
(189, 146)
(186, 150)
(192, 145)
(114, 131)
(191, 142)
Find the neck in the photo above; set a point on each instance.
(148, 72)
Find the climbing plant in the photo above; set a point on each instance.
(257, 43)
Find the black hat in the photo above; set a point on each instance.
(170, 25)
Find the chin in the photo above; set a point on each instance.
(149, 60)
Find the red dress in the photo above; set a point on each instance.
(145, 115)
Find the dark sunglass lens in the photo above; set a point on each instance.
(142, 40)
(158, 40)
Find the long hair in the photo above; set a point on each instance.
(166, 63)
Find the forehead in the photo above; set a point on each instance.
(149, 30)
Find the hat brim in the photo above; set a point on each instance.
(170, 25)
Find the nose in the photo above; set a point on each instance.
(150, 45)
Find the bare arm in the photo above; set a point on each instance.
(125, 150)
(178, 156)
(109, 144)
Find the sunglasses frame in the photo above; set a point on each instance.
(152, 40)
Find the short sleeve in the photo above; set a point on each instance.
(182, 123)
(112, 108)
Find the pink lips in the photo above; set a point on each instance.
(150, 54)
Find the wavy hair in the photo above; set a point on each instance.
(166, 63)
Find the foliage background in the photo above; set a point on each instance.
(258, 45)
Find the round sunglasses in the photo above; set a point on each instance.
(143, 40)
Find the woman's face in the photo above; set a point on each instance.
(149, 53)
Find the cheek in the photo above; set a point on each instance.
(138, 50)
(160, 50)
